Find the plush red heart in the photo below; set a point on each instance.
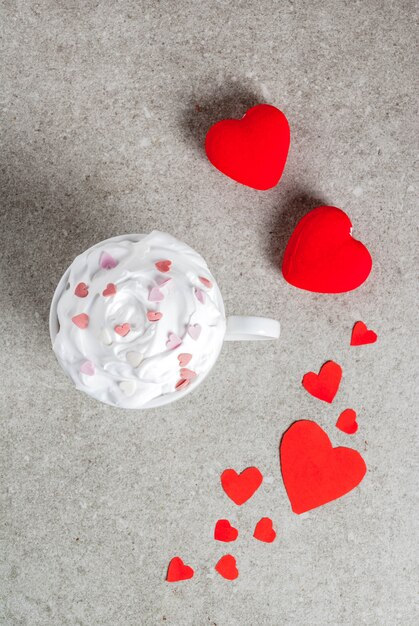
(361, 335)
(224, 531)
(314, 472)
(264, 530)
(81, 290)
(325, 384)
(241, 487)
(322, 256)
(226, 567)
(347, 422)
(177, 570)
(252, 150)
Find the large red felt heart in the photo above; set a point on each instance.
(322, 256)
(252, 150)
(314, 472)
(226, 567)
(241, 487)
(325, 384)
(361, 335)
(177, 570)
(224, 531)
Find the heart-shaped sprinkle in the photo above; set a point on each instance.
(122, 329)
(107, 262)
(128, 387)
(81, 320)
(110, 290)
(134, 358)
(161, 281)
(361, 335)
(205, 281)
(184, 359)
(82, 290)
(188, 374)
(200, 295)
(241, 487)
(226, 567)
(264, 530)
(88, 368)
(163, 266)
(194, 331)
(154, 316)
(177, 570)
(224, 531)
(105, 337)
(347, 422)
(325, 384)
(173, 342)
(155, 295)
(183, 382)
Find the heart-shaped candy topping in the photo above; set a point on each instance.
(123, 329)
(154, 316)
(107, 262)
(81, 320)
(163, 266)
(194, 330)
(110, 290)
(88, 368)
(173, 341)
(184, 359)
(81, 290)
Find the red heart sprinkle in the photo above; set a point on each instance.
(154, 316)
(361, 335)
(81, 320)
(314, 472)
(241, 487)
(82, 290)
(181, 384)
(226, 567)
(347, 422)
(224, 531)
(205, 281)
(163, 266)
(110, 290)
(325, 384)
(189, 374)
(264, 530)
(177, 570)
(184, 358)
(123, 329)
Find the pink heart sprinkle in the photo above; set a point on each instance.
(163, 266)
(107, 262)
(154, 316)
(183, 382)
(200, 295)
(188, 374)
(173, 342)
(184, 358)
(81, 320)
(205, 281)
(110, 290)
(194, 331)
(155, 295)
(163, 281)
(82, 290)
(123, 329)
(87, 368)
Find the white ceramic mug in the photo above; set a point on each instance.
(130, 301)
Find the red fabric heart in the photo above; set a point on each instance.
(110, 290)
(361, 335)
(347, 422)
(226, 567)
(252, 150)
(81, 290)
(241, 487)
(322, 256)
(314, 472)
(264, 530)
(177, 570)
(325, 384)
(224, 531)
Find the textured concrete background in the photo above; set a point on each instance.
(105, 106)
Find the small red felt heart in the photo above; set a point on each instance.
(361, 335)
(81, 320)
(347, 422)
(163, 266)
(241, 487)
(224, 531)
(110, 290)
(177, 570)
(322, 256)
(325, 384)
(264, 530)
(252, 150)
(226, 567)
(122, 329)
(314, 472)
(154, 316)
(81, 290)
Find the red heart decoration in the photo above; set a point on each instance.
(325, 384)
(224, 531)
(81, 290)
(123, 329)
(241, 487)
(81, 320)
(226, 567)
(264, 530)
(314, 472)
(322, 256)
(347, 422)
(361, 335)
(110, 290)
(154, 316)
(163, 266)
(252, 150)
(177, 570)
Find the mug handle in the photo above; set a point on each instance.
(244, 328)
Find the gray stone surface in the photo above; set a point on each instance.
(104, 109)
